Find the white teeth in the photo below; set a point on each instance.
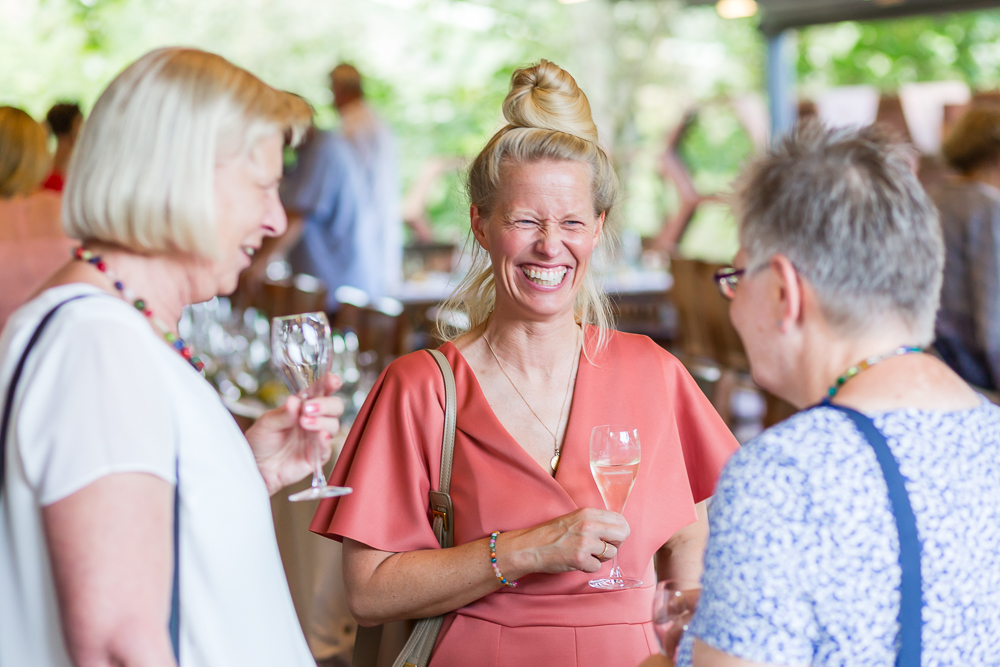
(545, 277)
(249, 251)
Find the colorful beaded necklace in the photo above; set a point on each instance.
(173, 340)
(868, 363)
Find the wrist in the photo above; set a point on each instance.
(513, 558)
(498, 572)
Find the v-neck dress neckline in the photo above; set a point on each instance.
(580, 362)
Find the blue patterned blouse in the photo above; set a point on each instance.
(802, 566)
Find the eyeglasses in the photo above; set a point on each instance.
(727, 280)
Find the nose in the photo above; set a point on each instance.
(275, 218)
(549, 240)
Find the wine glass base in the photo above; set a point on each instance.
(618, 583)
(318, 492)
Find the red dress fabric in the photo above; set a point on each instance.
(394, 451)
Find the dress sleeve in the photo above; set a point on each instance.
(93, 406)
(393, 449)
(705, 439)
(753, 603)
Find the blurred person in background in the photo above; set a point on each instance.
(32, 242)
(375, 146)
(538, 368)
(123, 470)
(968, 323)
(814, 558)
(64, 120)
(331, 231)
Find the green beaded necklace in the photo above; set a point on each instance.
(868, 363)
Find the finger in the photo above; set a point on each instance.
(327, 406)
(605, 551)
(328, 425)
(332, 383)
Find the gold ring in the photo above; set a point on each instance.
(603, 552)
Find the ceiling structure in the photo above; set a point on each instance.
(779, 15)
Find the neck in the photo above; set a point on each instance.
(64, 150)
(529, 347)
(164, 282)
(819, 365)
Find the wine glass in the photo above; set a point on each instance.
(614, 462)
(670, 610)
(300, 345)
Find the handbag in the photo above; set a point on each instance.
(911, 597)
(417, 651)
(174, 624)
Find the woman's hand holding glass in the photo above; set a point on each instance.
(279, 439)
(568, 543)
(301, 346)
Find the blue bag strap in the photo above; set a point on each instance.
(911, 597)
(8, 406)
(175, 595)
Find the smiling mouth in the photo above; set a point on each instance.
(545, 277)
(249, 251)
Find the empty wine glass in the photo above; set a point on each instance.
(671, 612)
(614, 462)
(301, 345)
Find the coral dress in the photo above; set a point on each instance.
(555, 620)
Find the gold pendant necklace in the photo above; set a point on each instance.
(554, 461)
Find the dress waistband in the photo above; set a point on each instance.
(515, 609)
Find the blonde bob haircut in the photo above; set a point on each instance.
(24, 157)
(548, 118)
(143, 173)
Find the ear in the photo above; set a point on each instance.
(478, 227)
(790, 292)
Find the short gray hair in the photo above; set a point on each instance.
(845, 207)
(143, 172)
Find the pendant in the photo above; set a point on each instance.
(554, 462)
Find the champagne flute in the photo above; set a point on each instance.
(614, 462)
(301, 345)
(670, 612)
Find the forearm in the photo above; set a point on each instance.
(420, 584)
(682, 557)
(130, 645)
(384, 586)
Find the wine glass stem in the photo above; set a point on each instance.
(319, 479)
(616, 572)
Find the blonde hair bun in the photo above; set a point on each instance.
(546, 96)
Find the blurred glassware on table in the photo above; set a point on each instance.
(235, 346)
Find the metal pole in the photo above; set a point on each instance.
(781, 82)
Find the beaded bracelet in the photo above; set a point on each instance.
(493, 560)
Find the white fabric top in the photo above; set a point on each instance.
(102, 394)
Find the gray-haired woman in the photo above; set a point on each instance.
(813, 558)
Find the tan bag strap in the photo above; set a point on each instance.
(417, 651)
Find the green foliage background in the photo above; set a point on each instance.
(438, 70)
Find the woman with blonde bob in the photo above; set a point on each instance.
(32, 242)
(536, 371)
(122, 469)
